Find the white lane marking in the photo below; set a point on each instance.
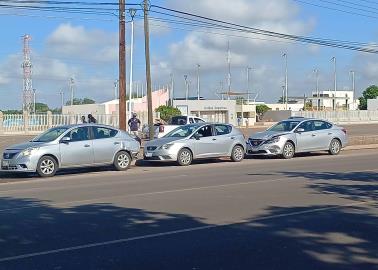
(200, 228)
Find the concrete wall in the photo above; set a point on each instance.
(282, 107)
(84, 109)
(372, 104)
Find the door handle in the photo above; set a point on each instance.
(313, 135)
(232, 138)
(214, 139)
(116, 143)
(87, 145)
(329, 133)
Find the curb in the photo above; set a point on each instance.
(361, 146)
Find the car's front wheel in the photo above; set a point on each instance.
(288, 150)
(334, 147)
(47, 166)
(237, 154)
(184, 157)
(122, 161)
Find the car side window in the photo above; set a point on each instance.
(320, 125)
(103, 133)
(191, 121)
(197, 120)
(222, 130)
(79, 134)
(307, 126)
(205, 131)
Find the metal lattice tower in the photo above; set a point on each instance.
(27, 104)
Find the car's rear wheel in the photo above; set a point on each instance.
(47, 166)
(237, 154)
(184, 157)
(288, 150)
(334, 147)
(122, 161)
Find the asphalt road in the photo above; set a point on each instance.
(311, 212)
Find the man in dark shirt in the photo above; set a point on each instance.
(134, 124)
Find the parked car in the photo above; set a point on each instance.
(195, 141)
(162, 129)
(72, 146)
(298, 135)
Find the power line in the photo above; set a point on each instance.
(348, 6)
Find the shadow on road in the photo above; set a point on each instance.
(282, 238)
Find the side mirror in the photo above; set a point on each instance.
(300, 130)
(65, 140)
(196, 136)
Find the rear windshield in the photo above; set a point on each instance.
(178, 120)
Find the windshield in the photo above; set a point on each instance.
(178, 120)
(284, 126)
(182, 132)
(50, 135)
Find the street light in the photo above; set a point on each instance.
(316, 71)
(335, 81)
(198, 81)
(286, 80)
(34, 99)
(352, 73)
(132, 12)
(187, 87)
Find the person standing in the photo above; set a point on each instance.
(91, 119)
(83, 120)
(134, 124)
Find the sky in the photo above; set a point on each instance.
(85, 47)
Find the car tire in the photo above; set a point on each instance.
(184, 157)
(334, 147)
(288, 150)
(122, 161)
(47, 166)
(237, 154)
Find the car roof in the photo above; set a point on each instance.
(85, 125)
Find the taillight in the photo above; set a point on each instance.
(344, 130)
(161, 128)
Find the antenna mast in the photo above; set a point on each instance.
(27, 98)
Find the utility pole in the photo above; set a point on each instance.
(198, 81)
(229, 68)
(286, 80)
(186, 87)
(172, 95)
(72, 83)
(352, 73)
(335, 82)
(115, 89)
(132, 12)
(61, 100)
(316, 71)
(146, 8)
(283, 94)
(248, 83)
(122, 67)
(34, 99)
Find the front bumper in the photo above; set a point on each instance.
(264, 149)
(19, 164)
(159, 155)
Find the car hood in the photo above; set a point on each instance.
(23, 146)
(162, 141)
(265, 135)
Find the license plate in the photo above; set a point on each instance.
(148, 154)
(5, 163)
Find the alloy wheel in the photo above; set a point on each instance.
(185, 157)
(123, 160)
(47, 166)
(288, 151)
(238, 153)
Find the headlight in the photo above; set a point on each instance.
(273, 140)
(29, 151)
(166, 146)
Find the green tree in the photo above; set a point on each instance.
(261, 109)
(166, 112)
(78, 101)
(370, 93)
(41, 107)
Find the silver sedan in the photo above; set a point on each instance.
(72, 146)
(298, 135)
(195, 141)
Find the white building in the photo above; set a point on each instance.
(372, 104)
(331, 100)
(221, 111)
